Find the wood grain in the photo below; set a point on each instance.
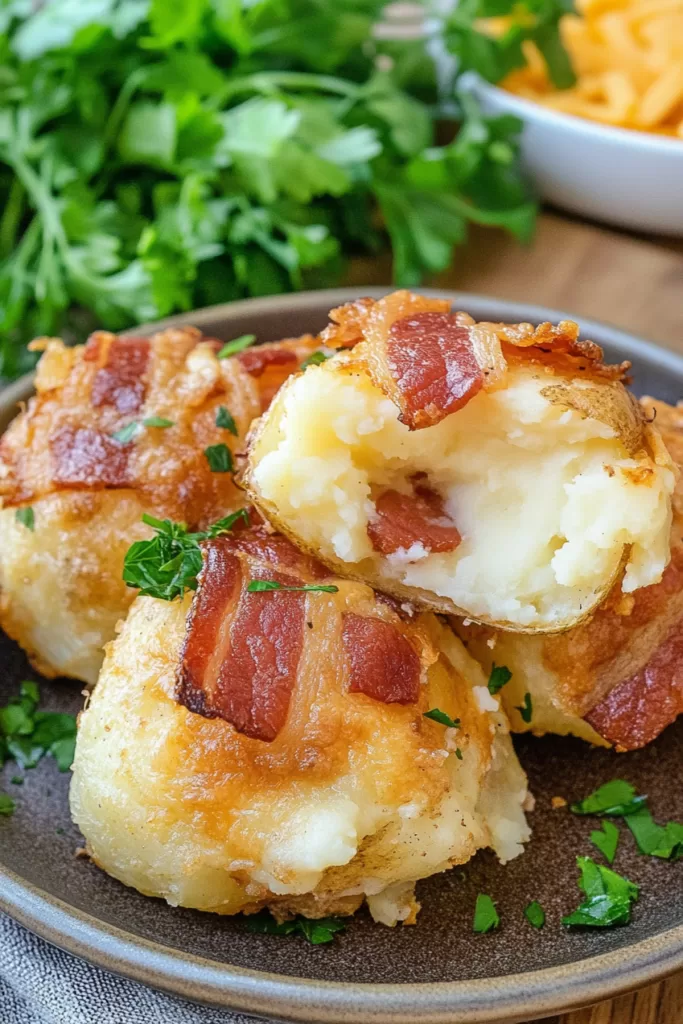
(586, 271)
(658, 1004)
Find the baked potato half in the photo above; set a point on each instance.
(500, 472)
(618, 678)
(117, 428)
(270, 749)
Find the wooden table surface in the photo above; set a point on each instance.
(606, 275)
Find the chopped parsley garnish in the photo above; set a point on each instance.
(615, 798)
(535, 914)
(219, 458)
(17, 780)
(609, 897)
(315, 359)
(236, 345)
(7, 805)
(500, 675)
(27, 734)
(618, 799)
(458, 753)
(26, 516)
(225, 420)
(260, 586)
(167, 565)
(485, 914)
(157, 421)
(437, 715)
(606, 840)
(525, 709)
(664, 841)
(127, 433)
(316, 931)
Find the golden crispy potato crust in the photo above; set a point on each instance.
(189, 807)
(89, 490)
(622, 671)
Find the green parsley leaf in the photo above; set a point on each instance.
(494, 55)
(236, 345)
(30, 734)
(168, 564)
(442, 718)
(664, 841)
(225, 525)
(225, 420)
(157, 421)
(485, 914)
(219, 458)
(458, 753)
(535, 914)
(315, 359)
(615, 798)
(127, 433)
(321, 930)
(609, 897)
(26, 517)
(618, 799)
(261, 586)
(525, 709)
(606, 840)
(29, 692)
(316, 931)
(7, 805)
(500, 675)
(17, 780)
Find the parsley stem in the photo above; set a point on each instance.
(271, 81)
(11, 217)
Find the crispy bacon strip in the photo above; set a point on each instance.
(203, 646)
(431, 359)
(382, 663)
(240, 664)
(639, 708)
(403, 520)
(121, 381)
(257, 360)
(82, 457)
(430, 362)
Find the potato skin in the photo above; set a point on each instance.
(572, 675)
(354, 799)
(61, 591)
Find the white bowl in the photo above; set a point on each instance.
(628, 178)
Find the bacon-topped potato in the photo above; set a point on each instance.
(617, 679)
(497, 471)
(249, 748)
(117, 428)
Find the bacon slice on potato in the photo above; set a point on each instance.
(61, 591)
(618, 678)
(270, 749)
(497, 471)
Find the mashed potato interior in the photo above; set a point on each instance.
(545, 498)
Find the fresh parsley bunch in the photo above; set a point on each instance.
(160, 155)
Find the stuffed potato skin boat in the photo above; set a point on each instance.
(616, 679)
(500, 472)
(250, 749)
(87, 486)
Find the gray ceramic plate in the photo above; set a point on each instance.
(438, 971)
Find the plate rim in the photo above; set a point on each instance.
(504, 998)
